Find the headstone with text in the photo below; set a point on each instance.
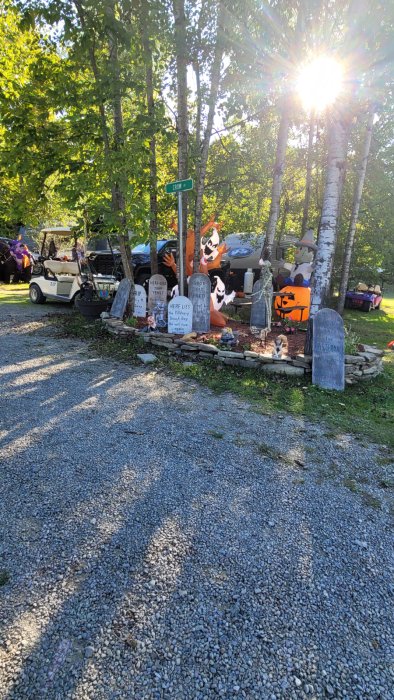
(139, 301)
(258, 313)
(119, 304)
(157, 291)
(180, 315)
(328, 350)
(200, 296)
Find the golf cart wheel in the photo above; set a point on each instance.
(367, 306)
(36, 295)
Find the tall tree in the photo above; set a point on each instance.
(182, 120)
(204, 149)
(280, 159)
(355, 213)
(308, 180)
(144, 12)
(336, 158)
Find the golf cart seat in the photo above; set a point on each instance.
(58, 267)
(361, 287)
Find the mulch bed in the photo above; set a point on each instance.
(248, 341)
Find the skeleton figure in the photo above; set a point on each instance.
(267, 291)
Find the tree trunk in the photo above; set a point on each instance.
(202, 165)
(354, 216)
(181, 72)
(326, 244)
(308, 182)
(276, 191)
(95, 70)
(118, 198)
(147, 49)
(327, 233)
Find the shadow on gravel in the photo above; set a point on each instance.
(138, 540)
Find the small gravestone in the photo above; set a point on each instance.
(180, 315)
(200, 296)
(119, 304)
(328, 355)
(139, 301)
(157, 291)
(258, 314)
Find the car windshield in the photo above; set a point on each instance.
(144, 248)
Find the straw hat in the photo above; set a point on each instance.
(308, 241)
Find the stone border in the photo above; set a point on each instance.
(366, 364)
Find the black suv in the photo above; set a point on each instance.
(103, 262)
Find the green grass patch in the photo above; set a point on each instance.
(366, 409)
(14, 294)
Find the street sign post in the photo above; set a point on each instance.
(177, 188)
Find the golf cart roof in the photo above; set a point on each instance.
(59, 230)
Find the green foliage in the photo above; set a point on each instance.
(53, 161)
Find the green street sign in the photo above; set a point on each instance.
(179, 186)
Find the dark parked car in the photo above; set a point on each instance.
(106, 263)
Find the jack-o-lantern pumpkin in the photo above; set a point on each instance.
(294, 304)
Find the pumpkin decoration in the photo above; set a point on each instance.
(294, 304)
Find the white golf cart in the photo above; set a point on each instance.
(62, 281)
(59, 279)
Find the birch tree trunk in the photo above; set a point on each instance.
(182, 122)
(280, 160)
(148, 60)
(327, 234)
(308, 181)
(336, 157)
(203, 156)
(354, 216)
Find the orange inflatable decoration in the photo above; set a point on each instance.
(211, 252)
(210, 259)
(293, 303)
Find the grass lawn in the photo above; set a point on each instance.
(14, 294)
(367, 409)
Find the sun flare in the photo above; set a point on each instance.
(319, 83)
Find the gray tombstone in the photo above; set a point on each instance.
(258, 314)
(200, 296)
(328, 353)
(157, 291)
(121, 300)
(139, 301)
(180, 315)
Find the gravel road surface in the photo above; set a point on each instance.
(161, 542)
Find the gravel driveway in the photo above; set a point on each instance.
(161, 542)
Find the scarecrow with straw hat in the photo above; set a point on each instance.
(303, 260)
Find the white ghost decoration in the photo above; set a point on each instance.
(219, 296)
(210, 248)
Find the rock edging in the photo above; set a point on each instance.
(364, 365)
